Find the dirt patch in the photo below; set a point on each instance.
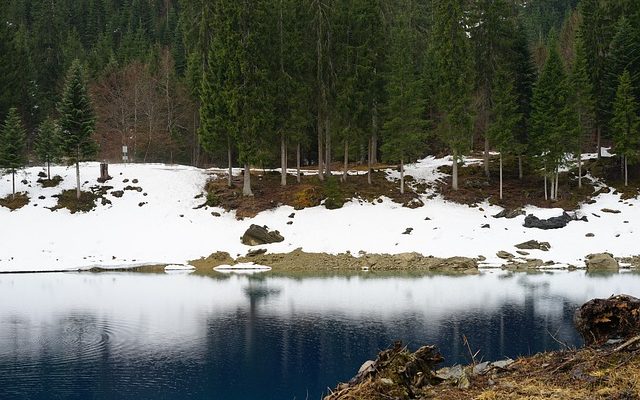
(310, 192)
(15, 202)
(475, 187)
(68, 199)
(49, 183)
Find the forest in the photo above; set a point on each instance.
(328, 83)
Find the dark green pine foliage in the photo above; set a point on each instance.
(47, 143)
(12, 145)
(454, 75)
(505, 117)
(625, 124)
(581, 107)
(624, 55)
(548, 140)
(404, 127)
(77, 121)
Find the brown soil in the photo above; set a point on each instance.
(588, 373)
(14, 203)
(310, 192)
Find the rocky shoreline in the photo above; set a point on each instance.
(299, 260)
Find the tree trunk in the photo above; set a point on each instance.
(580, 168)
(500, 175)
(557, 183)
(229, 178)
(546, 195)
(13, 182)
(320, 148)
(599, 141)
(520, 174)
(486, 157)
(374, 135)
(346, 161)
(401, 175)
(369, 167)
(48, 170)
(246, 188)
(283, 161)
(78, 179)
(454, 171)
(626, 171)
(327, 142)
(298, 162)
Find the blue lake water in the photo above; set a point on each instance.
(155, 336)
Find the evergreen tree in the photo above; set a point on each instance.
(404, 127)
(580, 105)
(505, 117)
(454, 75)
(12, 145)
(626, 124)
(77, 122)
(624, 55)
(548, 134)
(47, 144)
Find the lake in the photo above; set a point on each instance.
(176, 336)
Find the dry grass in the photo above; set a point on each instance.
(68, 199)
(15, 202)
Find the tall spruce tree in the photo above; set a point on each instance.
(454, 75)
(580, 105)
(548, 135)
(77, 121)
(47, 143)
(505, 117)
(404, 127)
(12, 145)
(626, 124)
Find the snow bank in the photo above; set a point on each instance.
(168, 229)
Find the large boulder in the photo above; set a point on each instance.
(531, 221)
(617, 317)
(601, 262)
(257, 235)
(509, 214)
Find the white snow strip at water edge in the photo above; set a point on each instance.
(242, 267)
(179, 267)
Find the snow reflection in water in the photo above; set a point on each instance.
(129, 335)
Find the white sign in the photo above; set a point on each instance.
(124, 150)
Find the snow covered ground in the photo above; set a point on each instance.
(168, 229)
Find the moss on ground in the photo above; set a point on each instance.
(15, 202)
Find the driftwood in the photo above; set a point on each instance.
(600, 320)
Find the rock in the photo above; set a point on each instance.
(125, 180)
(413, 203)
(531, 221)
(480, 368)
(215, 214)
(481, 258)
(610, 211)
(509, 214)
(24, 182)
(502, 364)
(600, 320)
(256, 252)
(134, 181)
(142, 203)
(117, 193)
(504, 255)
(41, 197)
(601, 262)
(522, 253)
(407, 231)
(386, 381)
(292, 215)
(486, 226)
(427, 219)
(367, 366)
(534, 245)
(289, 222)
(589, 235)
(41, 174)
(257, 235)
(595, 215)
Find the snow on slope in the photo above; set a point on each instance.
(169, 230)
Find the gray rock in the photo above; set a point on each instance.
(509, 214)
(368, 366)
(486, 226)
(534, 245)
(522, 252)
(531, 221)
(589, 235)
(292, 215)
(504, 255)
(215, 214)
(256, 252)
(480, 368)
(407, 231)
(503, 364)
(610, 211)
(257, 235)
(601, 262)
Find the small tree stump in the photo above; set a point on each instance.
(617, 317)
(104, 172)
